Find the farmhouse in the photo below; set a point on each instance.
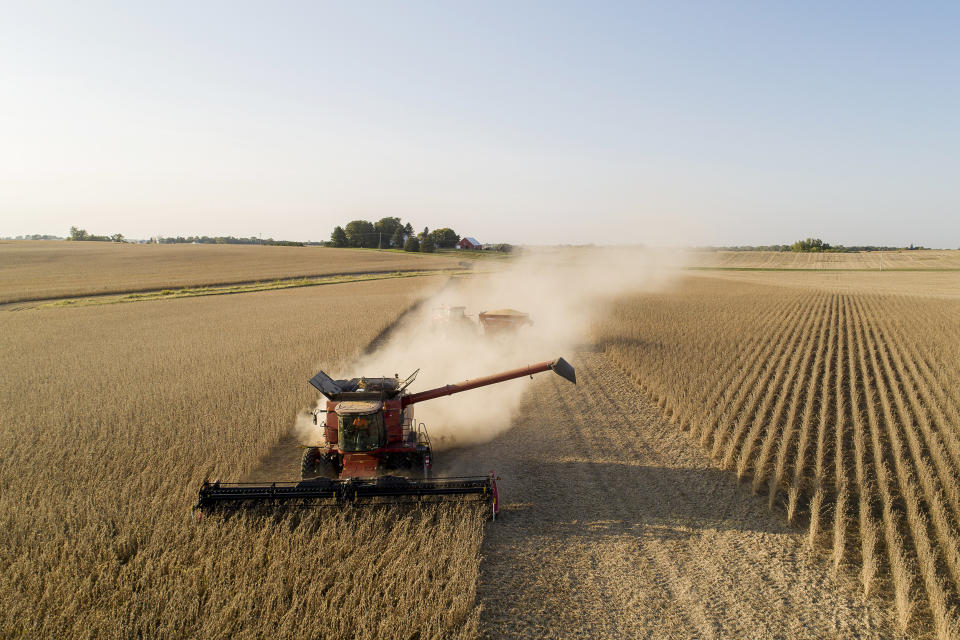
(469, 243)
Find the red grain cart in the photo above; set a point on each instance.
(504, 320)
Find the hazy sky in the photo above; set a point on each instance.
(691, 123)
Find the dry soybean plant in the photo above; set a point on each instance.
(113, 415)
(904, 259)
(36, 270)
(842, 408)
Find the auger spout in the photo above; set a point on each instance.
(559, 366)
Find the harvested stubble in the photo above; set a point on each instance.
(38, 270)
(842, 407)
(113, 415)
(925, 259)
(928, 284)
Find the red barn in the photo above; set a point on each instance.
(469, 243)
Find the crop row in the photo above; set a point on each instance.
(841, 408)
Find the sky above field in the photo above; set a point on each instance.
(661, 123)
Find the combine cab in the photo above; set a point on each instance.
(373, 448)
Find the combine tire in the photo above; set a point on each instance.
(312, 464)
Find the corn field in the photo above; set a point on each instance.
(842, 408)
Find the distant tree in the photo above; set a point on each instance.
(36, 236)
(427, 243)
(809, 245)
(81, 234)
(361, 233)
(412, 244)
(408, 229)
(339, 237)
(387, 227)
(117, 237)
(228, 240)
(398, 238)
(446, 238)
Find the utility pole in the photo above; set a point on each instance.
(379, 240)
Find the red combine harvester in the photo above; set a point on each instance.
(373, 448)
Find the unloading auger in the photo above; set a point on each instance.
(373, 450)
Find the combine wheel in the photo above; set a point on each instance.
(312, 464)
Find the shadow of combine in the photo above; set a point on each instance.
(582, 498)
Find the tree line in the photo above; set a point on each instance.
(816, 245)
(80, 235)
(812, 245)
(230, 240)
(392, 233)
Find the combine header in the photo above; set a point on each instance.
(373, 450)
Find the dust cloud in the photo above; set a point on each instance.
(305, 431)
(561, 289)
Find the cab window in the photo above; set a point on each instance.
(361, 432)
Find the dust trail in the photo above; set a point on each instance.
(562, 289)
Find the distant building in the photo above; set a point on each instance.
(469, 243)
